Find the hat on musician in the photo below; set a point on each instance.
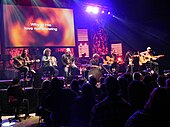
(95, 55)
(148, 48)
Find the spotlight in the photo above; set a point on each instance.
(95, 10)
(108, 13)
(102, 12)
(89, 9)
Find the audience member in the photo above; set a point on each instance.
(155, 111)
(82, 107)
(113, 111)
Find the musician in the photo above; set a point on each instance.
(68, 61)
(84, 59)
(23, 64)
(49, 63)
(95, 61)
(111, 61)
(149, 57)
(129, 61)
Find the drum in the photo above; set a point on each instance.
(96, 72)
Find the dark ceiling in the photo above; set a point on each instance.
(145, 10)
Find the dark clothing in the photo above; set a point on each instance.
(23, 64)
(67, 59)
(17, 92)
(59, 103)
(49, 64)
(142, 118)
(84, 60)
(69, 65)
(81, 110)
(111, 112)
(94, 62)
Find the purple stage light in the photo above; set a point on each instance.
(89, 9)
(95, 10)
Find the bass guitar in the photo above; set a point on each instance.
(18, 63)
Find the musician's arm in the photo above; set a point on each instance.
(45, 59)
(63, 60)
(142, 53)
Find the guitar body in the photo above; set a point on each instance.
(108, 60)
(18, 63)
(53, 61)
(145, 59)
(22, 62)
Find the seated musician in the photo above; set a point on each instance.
(68, 61)
(83, 60)
(147, 58)
(129, 61)
(49, 63)
(110, 60)
(23, 64)
(95, 61)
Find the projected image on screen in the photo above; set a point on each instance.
(26, 26)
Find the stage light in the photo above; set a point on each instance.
(108, 13)
(102, 12)
(89, 9)
(95, 10)
(114, 16)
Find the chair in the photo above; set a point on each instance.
(17, 103)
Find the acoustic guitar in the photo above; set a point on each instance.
(18, 63)
(108, 60)
(144, 59)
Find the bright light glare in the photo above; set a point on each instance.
(89, 9)
(7, 124)
(92, 9)
(95, 10)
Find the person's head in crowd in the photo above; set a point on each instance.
(147, 79)
(128, 76)
(168, 82)
(74, 85)
(137, 76)
(87, 90)
(167, 75)
(161, 80)
(55, 84)
(112, 85)
(45, 85)
(158, 101)
(92, 81)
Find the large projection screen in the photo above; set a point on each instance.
(33, 26)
